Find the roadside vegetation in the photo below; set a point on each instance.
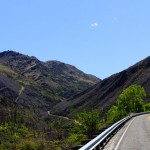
(20, 129)
(87, 123)
(129, 101)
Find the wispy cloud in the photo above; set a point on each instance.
(95, 24)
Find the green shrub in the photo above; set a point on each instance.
(76, 138)
(147, 107)
(88, 122)
(27, 147)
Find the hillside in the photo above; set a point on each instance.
(34, 95)
(105, 93)
(39, 85)
(69, 79)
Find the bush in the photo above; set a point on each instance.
(87, 122)
(76, 138)
(27, 146)
(147, 107)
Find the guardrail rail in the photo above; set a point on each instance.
(99, 142)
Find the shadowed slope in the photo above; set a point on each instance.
(104, 94)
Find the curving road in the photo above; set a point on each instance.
(135, 135)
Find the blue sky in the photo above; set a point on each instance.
(100, 37)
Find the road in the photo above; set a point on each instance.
(135, 135)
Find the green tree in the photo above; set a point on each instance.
(113, 115)
(131, 100)
(147, 107)
(88, 122)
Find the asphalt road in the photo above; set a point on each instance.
(134, 136)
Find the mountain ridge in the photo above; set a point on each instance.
(50, 74)
(105, 93)
(30, 83)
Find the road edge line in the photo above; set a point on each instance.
(116, 148)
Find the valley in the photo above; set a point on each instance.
(40, 101)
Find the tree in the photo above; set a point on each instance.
(88, 122)
(131, 100)
(113, 115)
(147, 107)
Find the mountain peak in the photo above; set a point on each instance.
(8, 53)
(11, 53)
(54, 75)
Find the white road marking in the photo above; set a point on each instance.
(116, 148)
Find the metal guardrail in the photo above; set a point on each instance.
(99, 142)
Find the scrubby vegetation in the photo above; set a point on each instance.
(88, 123)
(21, 129)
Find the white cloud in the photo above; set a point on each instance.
(95, 24)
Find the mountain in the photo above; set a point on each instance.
(105, 93)
(69, 79)
(39, 85)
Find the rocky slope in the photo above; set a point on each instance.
(39, 85)
(69, 79)
(105, 93)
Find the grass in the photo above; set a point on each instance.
(21, 90)
(6, 69)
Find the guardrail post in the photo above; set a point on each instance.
(98, 147)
